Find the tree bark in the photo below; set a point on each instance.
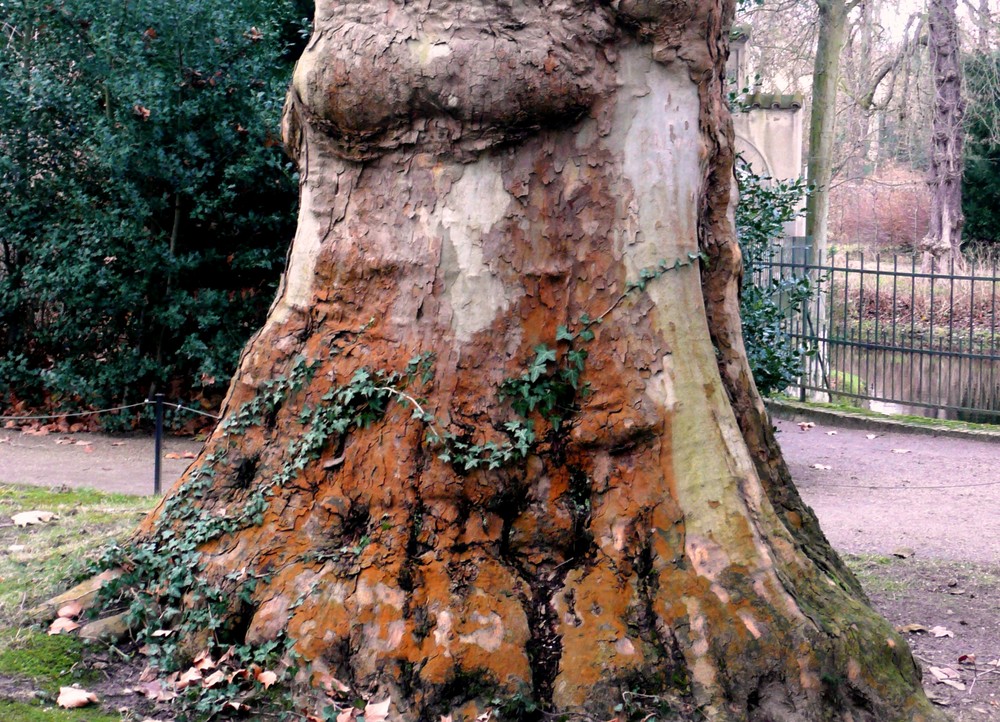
(474, 177)
(831, 36)
(944, 236)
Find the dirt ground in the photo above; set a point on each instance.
(918, 518)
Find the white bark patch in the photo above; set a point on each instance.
(298, 277)
(443, 634)
(489, 636)
(663, 157)
(703, 670)
(625, 646)
(476, 203)
(425, 51)
(750, 623)
(395, 635)
(661, 384)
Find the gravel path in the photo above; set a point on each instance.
(111, 463)
(937, 496)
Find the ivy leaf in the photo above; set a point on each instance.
(564, 334)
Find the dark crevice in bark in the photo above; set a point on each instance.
(237, 624)
(414, 549)
(581, 502)
(671, 668)
(463, 686)
(246, 471)
(545, 646)
(545, 581)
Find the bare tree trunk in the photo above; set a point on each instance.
(944, 236)
(832, 34)
(478, 181)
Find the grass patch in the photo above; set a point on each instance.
(913, 420)
(39, 561)
(36, 563)
(49, 661)
(21, 712)
(875, 573)
(850, 384)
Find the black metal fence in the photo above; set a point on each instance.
(888, 336)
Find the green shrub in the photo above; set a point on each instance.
(145, 200)
(767, 305)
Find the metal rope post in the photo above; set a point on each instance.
(158, 444)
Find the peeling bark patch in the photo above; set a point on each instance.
(477, 202)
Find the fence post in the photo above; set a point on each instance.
(158, 443)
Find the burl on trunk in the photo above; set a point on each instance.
(496, 450)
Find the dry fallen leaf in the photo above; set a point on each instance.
(967, 659)
(189, 455)
(72, 609)
(171, 455)
(73, 697)
(871, 436)
(347, 715)
(831, 433)
(377, 711)
(156, 692)
(62, 625)
(805, 425)
(163, 632)
(901, 451)
(213, 679)
(935, 699)
(821, 467)
(940, 631)
(33, 517)
(267, 678)
(941, 673)
(189, 677)
(334, 686)
(203, 661)
(445, 718)
(953, 683)
(911, 628)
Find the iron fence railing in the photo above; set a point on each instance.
(887, 335)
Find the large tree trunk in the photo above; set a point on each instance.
(831, 36)
(475, 176)
(944, 236)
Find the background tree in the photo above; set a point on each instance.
(832, 28)
(944, 237)
(497, 446)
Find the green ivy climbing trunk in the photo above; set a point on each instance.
(440, 479)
